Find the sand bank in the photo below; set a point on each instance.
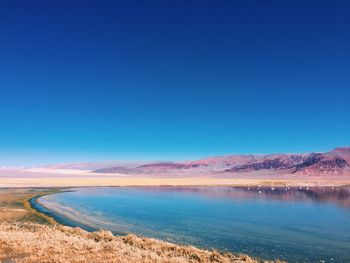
(102, 181)
(76, 178)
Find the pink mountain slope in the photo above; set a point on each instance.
(333, 162)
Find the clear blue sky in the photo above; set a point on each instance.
(84, 80)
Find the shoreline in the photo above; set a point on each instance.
(54, 216)
(29, 204)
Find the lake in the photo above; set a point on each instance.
(294, 224)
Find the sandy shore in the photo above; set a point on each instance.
(102, 181)
(28, 236)
(75, 178)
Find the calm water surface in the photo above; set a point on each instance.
(298, 225)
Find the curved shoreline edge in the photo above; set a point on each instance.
(54, 217)
(29, 204)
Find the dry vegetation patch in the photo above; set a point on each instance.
(28, 242)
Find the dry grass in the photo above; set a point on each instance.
(29, 242)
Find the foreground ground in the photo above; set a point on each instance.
(26, 242)
(28, 236)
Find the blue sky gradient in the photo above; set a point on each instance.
(93, 80)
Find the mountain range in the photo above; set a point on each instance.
(335, 162)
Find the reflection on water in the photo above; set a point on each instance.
(295, 224)
(335, 195)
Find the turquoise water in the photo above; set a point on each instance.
(298, 225)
